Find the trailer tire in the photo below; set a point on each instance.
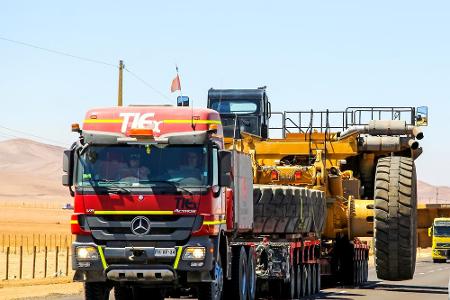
(308, 290)
(239, 285)
(318, 279)
(251, 273)
(123, 293)
(96, 291)
(298, 281)
(313, 279)
(395, 218)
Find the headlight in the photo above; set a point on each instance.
(194, 253)
(86, 253)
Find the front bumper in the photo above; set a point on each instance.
(440, 253)
(121, 264)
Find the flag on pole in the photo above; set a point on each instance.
(176, 85)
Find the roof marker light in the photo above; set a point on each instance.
(140, 132)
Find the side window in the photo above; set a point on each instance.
(215, 168)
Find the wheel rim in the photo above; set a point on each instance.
(218, 280)
(252, 277)
(244, 279)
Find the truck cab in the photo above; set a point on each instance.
(149, 200)
(440, 234)
(241, 110)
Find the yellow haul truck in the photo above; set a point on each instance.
(440, 234)
(361, 158)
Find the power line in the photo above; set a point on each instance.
(28, 134)
(146, 83)
(87, 59)
(58, 52)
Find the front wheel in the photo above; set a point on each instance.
(213, 290)
(96, 291)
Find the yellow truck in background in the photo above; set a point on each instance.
(440, 234)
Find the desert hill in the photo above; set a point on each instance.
(31, 171)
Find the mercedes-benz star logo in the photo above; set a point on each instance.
(140, 225)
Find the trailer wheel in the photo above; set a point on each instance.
(298, 281)
(123, 293)
(318, 279)
(308, 280)
(313, 279)
(251, 273)
(96, 291)
(395, 218)
(239, 284)
(366, 270)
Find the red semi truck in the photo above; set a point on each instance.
(160, 208)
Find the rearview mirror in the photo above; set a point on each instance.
(182, 101)
(430, 231)
(225, 168)
(422, 116)
(67, 178)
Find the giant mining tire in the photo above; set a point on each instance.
(395, 219)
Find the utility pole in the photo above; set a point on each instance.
(119, 97)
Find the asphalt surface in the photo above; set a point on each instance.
(430, 282)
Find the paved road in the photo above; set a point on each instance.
(430, 283)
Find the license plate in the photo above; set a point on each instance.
(165, 252)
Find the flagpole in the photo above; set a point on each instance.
(179, 82)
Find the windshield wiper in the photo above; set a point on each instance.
(113, 187)
(172, 184)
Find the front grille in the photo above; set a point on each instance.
(443, 245)
(163, 228)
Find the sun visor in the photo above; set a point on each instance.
(187, 138)
(101, 137)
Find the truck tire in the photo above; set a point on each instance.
(123, 293)
(395, 236)
(308, 280)
(96, 291)
(239, 284)
(298, 281)
(251, 273)
(318, 279)
(313, 279)
(213, 290)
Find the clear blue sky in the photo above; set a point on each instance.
(330, 54)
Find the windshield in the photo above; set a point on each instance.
(142, 166)
(235, 106)
(442, 230)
